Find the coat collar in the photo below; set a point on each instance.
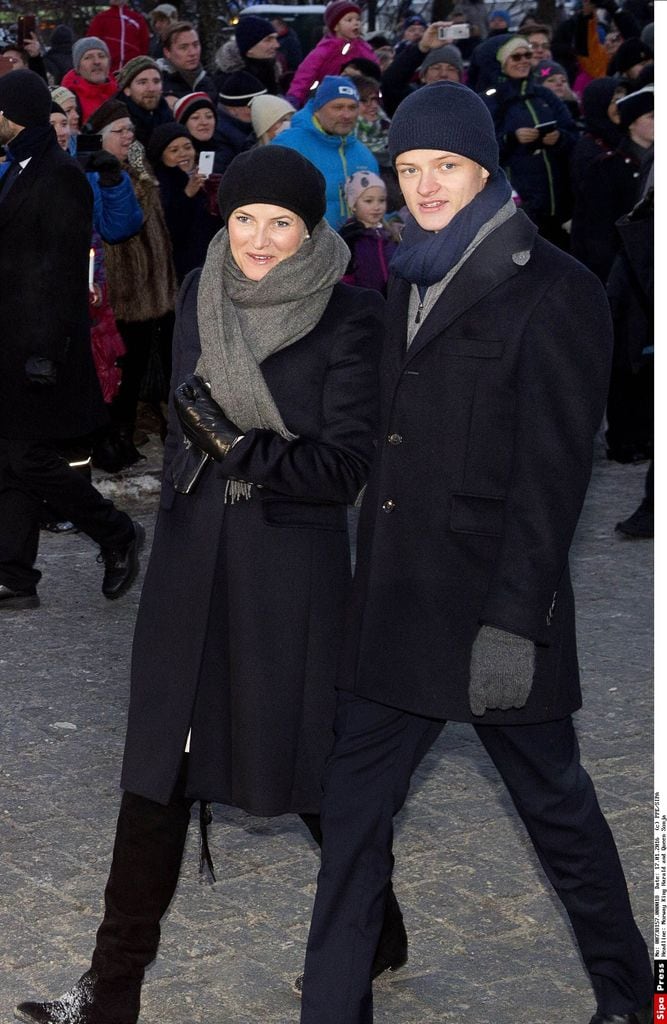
(499, 257)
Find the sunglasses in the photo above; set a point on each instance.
(523, 55)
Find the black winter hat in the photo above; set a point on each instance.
(239, 88)
(635, 104)
(445, 116)
(110, 111)
(251, 30)
(161, 137)
(25, 99)
(629, 53)
(275, 175)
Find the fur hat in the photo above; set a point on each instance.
(250, 30)
(25, 98)
(357, 184)
(334, 87)
(134, 67)
(337, 9)
(510, 47)
(187, 105)
(82, 46)
(447, 54)
(112, 110)
(445, 116)
(275, 175)
(266, 110)
(239, 88)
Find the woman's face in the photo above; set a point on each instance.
(118, 137)
(61, 128)
(69, 106)
(369, 108)
(201, 124)
(518, 64)
(180, 153)
(261, 236)
(278, 127)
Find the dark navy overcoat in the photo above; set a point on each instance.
(242, 612)
(485, 454)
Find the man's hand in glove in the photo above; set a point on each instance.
(501, 670)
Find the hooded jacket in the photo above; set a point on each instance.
(124, 31)
(327, 58)
(336, 156)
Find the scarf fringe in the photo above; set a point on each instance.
(237, 490)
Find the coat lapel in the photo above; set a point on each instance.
(498, 258)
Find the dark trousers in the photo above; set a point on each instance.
(366, 782)
(143, 340)
(32, 472)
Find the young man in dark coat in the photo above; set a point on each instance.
(463, 606)
(49, 391)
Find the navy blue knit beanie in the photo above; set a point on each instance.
(446, 116)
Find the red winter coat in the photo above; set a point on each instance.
(124, 31)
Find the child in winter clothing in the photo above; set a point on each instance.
(339, 45)
(372, 243)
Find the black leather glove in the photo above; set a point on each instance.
(501, 670)
(107, 166)
(203, 421)
(41, 372)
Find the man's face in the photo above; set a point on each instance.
(540, 47)
(145, 89)
(8, 130)
(94, 66)
(265, 49)
(436, 185)
(185, 51)
(339, 116)
(642, 131)
(413, 33)
(441, 72)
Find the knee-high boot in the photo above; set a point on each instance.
(147, 855)
(392, 950)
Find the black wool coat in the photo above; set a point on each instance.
(46, 224)
(484, 458)
(242, 611)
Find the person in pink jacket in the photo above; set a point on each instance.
(341, 43)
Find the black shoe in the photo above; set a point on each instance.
(84, 1005)
(638, 526)
(121, 564)
(16, 600)
(643, 1016)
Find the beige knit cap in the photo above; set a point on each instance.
(510, 47)
(266, 110)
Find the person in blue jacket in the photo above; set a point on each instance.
(323, 132)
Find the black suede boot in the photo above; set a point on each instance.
(147, 856)
(90, 1001)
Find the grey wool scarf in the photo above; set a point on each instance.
(242, 322)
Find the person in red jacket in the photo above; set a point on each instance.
(89, 79)
(124, 30)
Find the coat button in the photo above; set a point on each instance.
(388, 505)
(395, 439)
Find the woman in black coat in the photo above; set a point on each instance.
(243, 605)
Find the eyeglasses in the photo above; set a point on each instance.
(523, 55)
(121, 131)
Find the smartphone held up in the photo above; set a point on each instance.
(450, 33)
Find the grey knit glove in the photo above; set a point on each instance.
(501, 670)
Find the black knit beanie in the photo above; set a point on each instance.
(445, 116)
(250, 30)
(25, 99)
(632, 51)
(275, 175)
(162, 136)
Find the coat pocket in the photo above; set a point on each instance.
(302, 514)
(474, 513)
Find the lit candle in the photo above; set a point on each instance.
(91, 270)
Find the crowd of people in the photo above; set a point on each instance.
(410, 274)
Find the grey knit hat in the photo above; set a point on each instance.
(447, 54)
(81, 47)
(445, 116)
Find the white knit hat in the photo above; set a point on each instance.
(266, 110)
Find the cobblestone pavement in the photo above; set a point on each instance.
(488, 940)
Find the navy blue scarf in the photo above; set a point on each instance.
(425, 257)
